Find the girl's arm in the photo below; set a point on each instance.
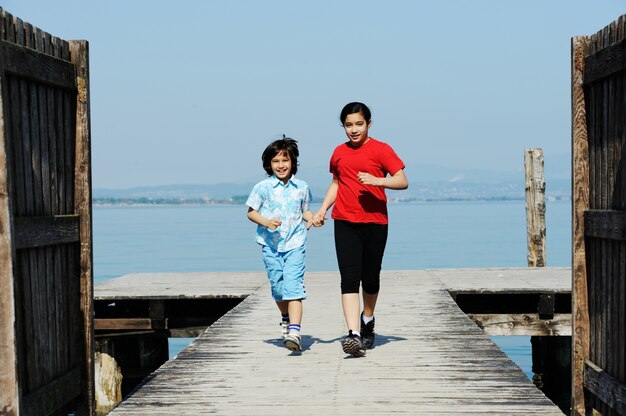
(329, 200)
(398, 181)
(254, 216)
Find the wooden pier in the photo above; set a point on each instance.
(429, 357)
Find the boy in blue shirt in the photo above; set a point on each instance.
(280, 207)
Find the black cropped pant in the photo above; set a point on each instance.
(360, 248)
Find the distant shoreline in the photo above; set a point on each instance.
(106, 202)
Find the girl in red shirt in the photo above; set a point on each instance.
(362, 168)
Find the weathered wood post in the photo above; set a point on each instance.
(535, 236)
(9, 394)
(550, 354)
(108, 388)
(82, 202)
(535, 207)
(580, 202)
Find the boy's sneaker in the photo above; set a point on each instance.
(284, 326)
(353, 344)
(292, 341)
(367, 332)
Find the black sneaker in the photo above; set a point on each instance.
(353, 344)
(367, 332)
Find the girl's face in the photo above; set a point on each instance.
(281, 166)
(356, 128)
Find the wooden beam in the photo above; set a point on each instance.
(129, 333)
(545, 303)
(42, 68)
(605, 62)
(121, 324)
(8, 358)
(79, 50)
(607, 224)
(44, 231)
(580, 203)
(523, 324)
(606, 388)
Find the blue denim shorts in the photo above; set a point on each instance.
(285, 272)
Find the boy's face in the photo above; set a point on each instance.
(281, 166)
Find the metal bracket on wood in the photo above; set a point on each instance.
(546, 306)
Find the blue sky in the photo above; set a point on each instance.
(192, 91)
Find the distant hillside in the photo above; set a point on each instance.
(426, 183)
(211, 191)
(466, 191)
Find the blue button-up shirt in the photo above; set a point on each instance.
(274, 199)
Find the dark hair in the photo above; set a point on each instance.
(355, 107)
(290, 146)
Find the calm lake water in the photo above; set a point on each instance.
(421, 236)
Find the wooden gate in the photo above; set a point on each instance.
(46, 330)
(599, 221)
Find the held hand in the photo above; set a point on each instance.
(367, 179)
(318, 220)
(274, 223)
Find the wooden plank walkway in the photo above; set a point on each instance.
(429, 357)
(511, 280)
(190, 285)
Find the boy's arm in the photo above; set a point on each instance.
(307, 215)
(254, 216)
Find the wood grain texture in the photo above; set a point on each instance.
(535, 186)
(33, 232)
(39, 89)
(605, 224)
(580, 202)
(180, 285)
(81, 192)
(430, 358)
(523, 324)
(28, 63)
(610, 390)
(599, 169)
(605, 62)
(123, 324)
(8, 351)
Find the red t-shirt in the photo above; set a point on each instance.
(356, 202)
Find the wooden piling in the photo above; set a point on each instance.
(535, 207)
(108, 389)
(548, 353)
